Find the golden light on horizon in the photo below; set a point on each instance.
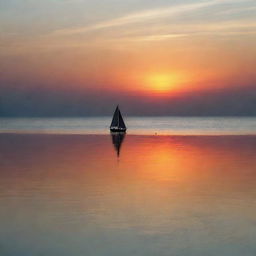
(162, 82)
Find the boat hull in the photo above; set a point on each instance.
(117, 129)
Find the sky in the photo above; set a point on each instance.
(165, 57)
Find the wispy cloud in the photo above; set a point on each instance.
(216, 29)
(103, 35)
(146, 15)
(238, 10)
(157, 34)
(158, 37)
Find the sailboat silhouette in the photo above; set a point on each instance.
(117, 124)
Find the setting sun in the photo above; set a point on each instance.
(162, 82)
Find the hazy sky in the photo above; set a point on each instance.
(81, 57)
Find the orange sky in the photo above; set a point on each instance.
(148, 48)
(181, 64)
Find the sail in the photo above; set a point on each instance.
(121, 121)
(115, 120)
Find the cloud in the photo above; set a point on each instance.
(236, 101)
(238, 10)
(157, 37)
(147, 15)
(179, 31)
(145, 26)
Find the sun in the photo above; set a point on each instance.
(161, 82)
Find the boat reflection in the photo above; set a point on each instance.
(117, 140)
(170, 195)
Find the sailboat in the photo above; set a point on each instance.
(117, 124)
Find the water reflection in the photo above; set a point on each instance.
(117, 140)
(170, 195)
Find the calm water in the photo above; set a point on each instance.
(136, 125)
(164, 195)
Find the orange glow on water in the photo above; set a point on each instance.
(184, 161)
(155, 178)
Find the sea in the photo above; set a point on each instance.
(136, 125)
(168, 187)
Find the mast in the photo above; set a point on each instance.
(118, 115)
